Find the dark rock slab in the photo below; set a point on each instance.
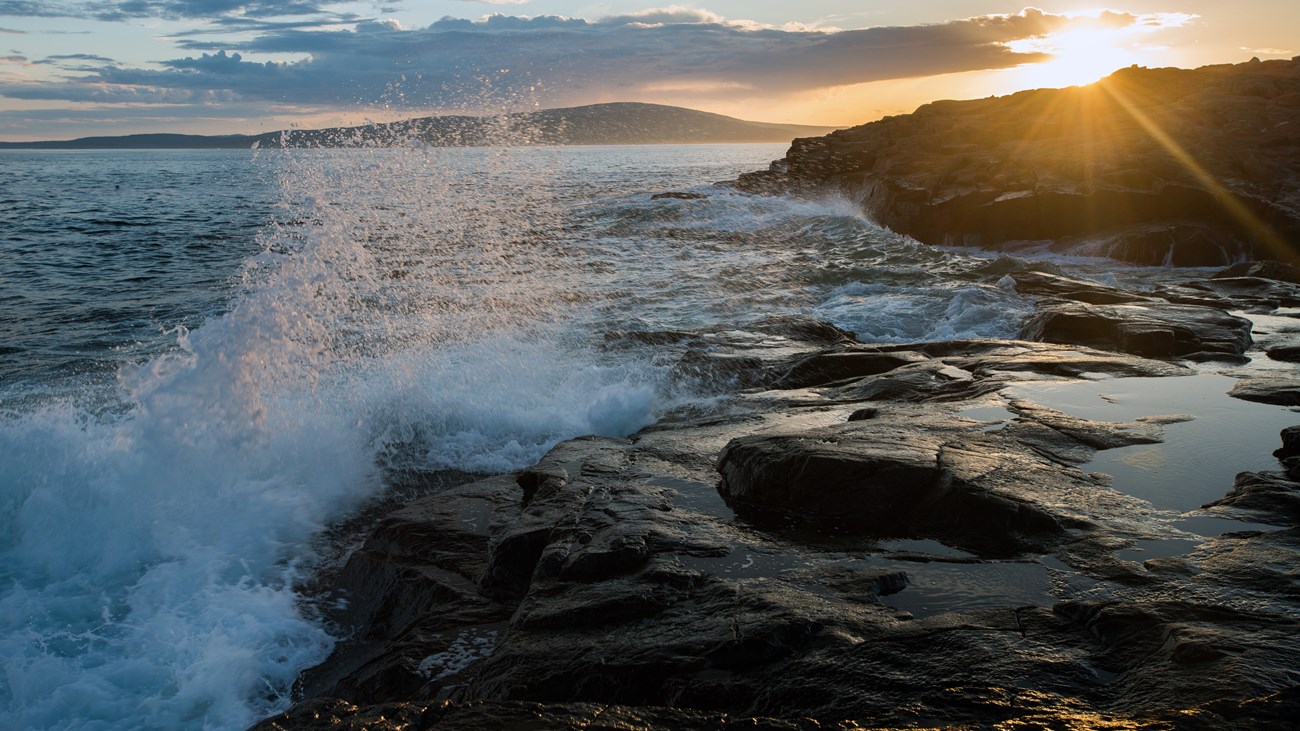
(1171, 649)
(994, 359)
(1254, 294)
(1167, 331)
(1273, 711)
(1278, 390)
(1249, 570)
(827, 367)
(1272, 496)
(877, 477)
(678, 195)
(1183, 294)
(624, 338)
(1041, 429)
(1277, 270)
(1042, 284)
(336, 715)
(1287, 353)
(905, 476)
(803, 329)
(1290, 443)
(416, 576)
(931, 380)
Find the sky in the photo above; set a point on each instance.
(71, 68)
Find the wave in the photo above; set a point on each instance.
(149, 550)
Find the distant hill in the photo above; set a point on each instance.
(621, 123)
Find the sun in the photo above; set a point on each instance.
(1094, 44)
(1077, 56)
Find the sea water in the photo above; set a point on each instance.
(208, 357)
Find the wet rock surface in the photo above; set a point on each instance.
(861, 536)
(1032, 169)
(1280, 390)
(678, 195)
(1159, 330)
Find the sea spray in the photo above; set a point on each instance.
(397, 315)
(151, 549)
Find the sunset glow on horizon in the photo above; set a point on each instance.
(73, 68)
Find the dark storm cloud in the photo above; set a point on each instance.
(556, 60)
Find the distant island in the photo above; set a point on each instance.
(619, 123)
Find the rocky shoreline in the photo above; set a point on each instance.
(907, 535)
(852, 541)
(1151, 166)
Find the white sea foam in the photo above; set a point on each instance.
(148, 552)
(892, 313)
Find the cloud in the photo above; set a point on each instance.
(11, 31)
(549, 60)
(1268, 51)
(171, 9)
(62, 59)
(98, 120)
(31, 9)
(13, 59)
(237, 24)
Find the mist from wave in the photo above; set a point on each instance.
(150, 548)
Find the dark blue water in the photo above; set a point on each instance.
(100, 252)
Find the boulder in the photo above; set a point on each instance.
(1278, 390)
(1042, 284)
(1290, 443)
(1164, 331)
(827, 367)
(1277, 270)
(1251, 293)
(903, 475)
(1271, 496)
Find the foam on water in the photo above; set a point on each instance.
(146, 560)
(499, 405)
(148, 552)
(891, 313)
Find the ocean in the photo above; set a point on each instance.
(208, 358)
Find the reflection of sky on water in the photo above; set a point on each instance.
(1198, 459)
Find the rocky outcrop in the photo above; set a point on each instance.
(852, 542)
(1152, 166)
(1162, 331)
(1280, 390)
